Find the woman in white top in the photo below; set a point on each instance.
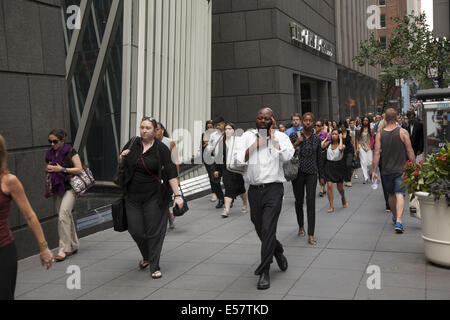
(163, 136)
(335, 166)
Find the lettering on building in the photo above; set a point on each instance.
(301, 35)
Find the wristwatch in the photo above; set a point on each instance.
(64, 170)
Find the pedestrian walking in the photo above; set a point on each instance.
(381, 126)
(394, 144)
(335, 166)
(146, 162)
(264, 152)
(296, 119)
(322, 132)
(356, 161)
(234, 182)
(415, 130)
(363, 147)
(349, 152)
(163, 136)
(11, 189)
(63, 160)
(213, 158)
(308, 146)
(209, 127)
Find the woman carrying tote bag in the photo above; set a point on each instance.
(146, 197)
(62, 162)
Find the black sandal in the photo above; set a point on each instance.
(143, 265)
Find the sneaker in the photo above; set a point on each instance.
(213, 199)
(388, 210)
(356, 176)
(399, 227)
(225, 214)
(244, 210)
(348, 184)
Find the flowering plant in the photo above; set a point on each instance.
(430, 175)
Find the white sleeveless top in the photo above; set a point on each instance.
(334, 155)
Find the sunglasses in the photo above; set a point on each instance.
(148, 118)
(53, 141)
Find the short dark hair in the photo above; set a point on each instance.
(296, 115)
(309, 114)
(410, 113)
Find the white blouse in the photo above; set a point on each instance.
(334, 155)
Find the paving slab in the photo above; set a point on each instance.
(207, 257)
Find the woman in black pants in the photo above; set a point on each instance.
(308, 146)
(12, 189)
(209, 127)
(349, 152)
(146, 161)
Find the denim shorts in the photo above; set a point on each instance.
(392, 183)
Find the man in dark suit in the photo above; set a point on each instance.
(415, 129)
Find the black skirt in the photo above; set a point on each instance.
(234, 184)
(335, 171)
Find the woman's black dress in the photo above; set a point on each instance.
(234, 182)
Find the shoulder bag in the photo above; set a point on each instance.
(291, 167)
(81, 182)
(233, 165)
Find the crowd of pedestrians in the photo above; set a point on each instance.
(328, 152)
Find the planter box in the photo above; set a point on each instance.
(435, 228)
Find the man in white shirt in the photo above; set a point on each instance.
(264, 151)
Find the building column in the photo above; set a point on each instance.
(323, 99)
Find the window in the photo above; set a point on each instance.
(383, 42)
(383, 20)
(382, 3)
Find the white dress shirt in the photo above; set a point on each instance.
(265, 165)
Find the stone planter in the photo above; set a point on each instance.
(435, 228)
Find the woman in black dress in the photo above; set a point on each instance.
(234, 182)
(349, 152)
(146, 162)
(334, 166)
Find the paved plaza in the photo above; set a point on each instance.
(210, 258)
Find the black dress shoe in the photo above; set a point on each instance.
(220, 204)
(264, 281)
(282, 261)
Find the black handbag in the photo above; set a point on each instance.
(177, 212)
(119, 176)
(119, 215)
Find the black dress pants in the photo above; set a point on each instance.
(265, 209)
(147, 225)
(215, 183)
(308, 182)
(8, 271)
(348, 166)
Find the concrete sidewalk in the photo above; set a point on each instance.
(207, 257)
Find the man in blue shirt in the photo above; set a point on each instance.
(296, 124)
